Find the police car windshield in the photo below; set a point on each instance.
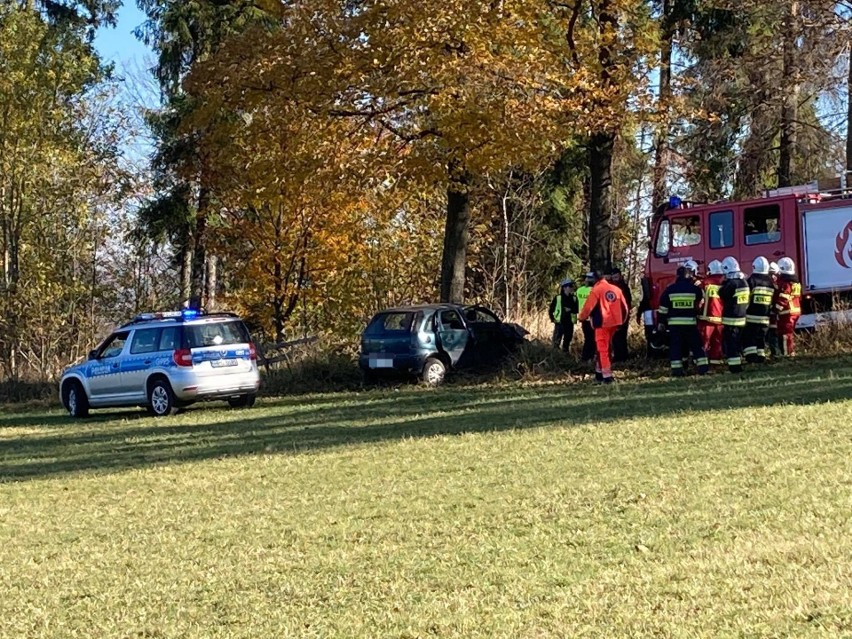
(216, 334)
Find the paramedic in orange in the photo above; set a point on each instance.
(788, 305)
(607, 310)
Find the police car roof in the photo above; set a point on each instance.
(180, 317)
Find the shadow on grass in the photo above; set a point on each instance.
(291, 425)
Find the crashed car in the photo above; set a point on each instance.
(431, 340)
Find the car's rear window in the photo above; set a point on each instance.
(390, 323)
(216, 334)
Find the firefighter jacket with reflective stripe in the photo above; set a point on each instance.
(760, 301)
(711, 309)
(735, 295)
(605, 306)
(788, 296)
(680, 303)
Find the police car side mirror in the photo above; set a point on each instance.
(93, 354)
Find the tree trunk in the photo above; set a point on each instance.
(600, 202)
(185, 273)
(661, 144)
(212, 282)
(790, 108)
(199, 253)
(455, 240)
(601, 148)
(848, 121)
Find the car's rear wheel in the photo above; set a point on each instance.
(243, 401)
(161, 398)
(434, 372)
(75, 400)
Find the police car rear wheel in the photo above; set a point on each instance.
(161, 399)
(76, 401)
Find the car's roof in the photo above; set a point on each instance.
(419, 307)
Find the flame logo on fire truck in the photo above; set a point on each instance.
(843, 254)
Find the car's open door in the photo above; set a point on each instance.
(452, 333)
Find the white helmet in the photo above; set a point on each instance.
(691, 266)
(730, 266)
(787, 266)
(773, 268)
(715, 268)
(760, 266)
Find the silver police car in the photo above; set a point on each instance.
(165, 361)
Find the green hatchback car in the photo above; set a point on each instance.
(430, 340)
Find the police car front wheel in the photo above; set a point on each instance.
(75, 400)
(161, 399)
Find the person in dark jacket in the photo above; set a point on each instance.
(563, 313)
(735, 295)
(759, 309)
(620, 350)
(589, 347)
(679, 308)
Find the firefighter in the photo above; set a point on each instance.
(757, 315)
(679, 307)
(772, 333)
(710, 317)
(606, 309)
(788, 305)
(734, 294)
(588, 332)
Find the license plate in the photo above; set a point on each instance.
(381, 362)
(219, 363)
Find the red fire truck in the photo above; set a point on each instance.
(814, 228)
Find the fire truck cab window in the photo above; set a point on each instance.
(721, 229)
(663, 237)
(686, 231)
(762, 224)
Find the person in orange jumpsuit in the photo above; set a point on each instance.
(710, 317)
(607, 310)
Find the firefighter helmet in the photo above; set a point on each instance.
(773, 268)
(730, 266)
(787, 266)
(715, 268)
(691, 266)
(760, 266)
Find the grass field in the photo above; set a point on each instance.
(713, 507)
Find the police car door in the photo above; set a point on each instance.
(138, 364)
(103, 373)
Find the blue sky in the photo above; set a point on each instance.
(118, 44)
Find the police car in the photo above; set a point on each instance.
(165, 361)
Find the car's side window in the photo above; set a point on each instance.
(114, 345)
(451, 320)
(168, 339)
(144, 341)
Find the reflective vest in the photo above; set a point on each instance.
(582, 295)
(711, 309)
(557, 313)
(788, 298)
